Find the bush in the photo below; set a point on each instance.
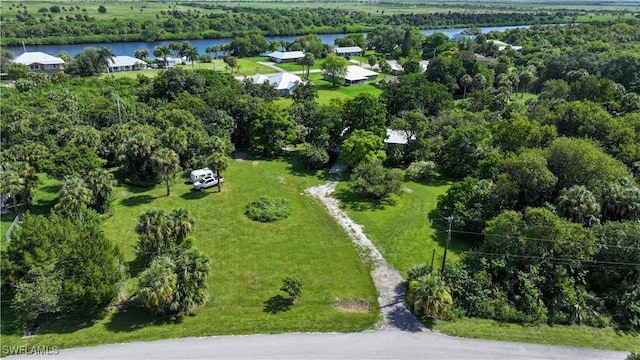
(267, 210)
(421, 169)
(292, 286)
(315, 158)
(372, 180)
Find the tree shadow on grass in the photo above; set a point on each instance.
(137, 200)
(132, 318)
(198, 194)
(355, 201)
(277, 304)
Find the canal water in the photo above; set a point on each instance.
(128, 48)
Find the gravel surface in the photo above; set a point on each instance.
(389, 282)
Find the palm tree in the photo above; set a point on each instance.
(29, 180)
(182, 224)
(307, 62)
(74, 197)
(12, 185)
(384, 66)
(429, 295)
(232, 61)
(141, 54)
(101, 182)
(192, 55)
(163, 53)
(167, 162)
(579, 205)
(218, 161)
(155, 231)
(157, 286)
(176, 48)
(526, 78)
(466, 81)
(105, 57)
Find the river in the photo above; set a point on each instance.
(128, 48)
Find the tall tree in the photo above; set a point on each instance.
(162, 52)
(101, 182)
(307, 62)
(335, 68)
(192, 55)
(74, 197)
(166, 162)
(106, 57)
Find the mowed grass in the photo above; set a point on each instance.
(248, 262)
(564, 335)
(246, 66)
(327, 91)
(406, 229)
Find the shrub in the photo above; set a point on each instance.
(421, 169)
(315, 158)
(292, 286)
(372, 180)
(267, 210)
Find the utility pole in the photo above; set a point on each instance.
(446, 245)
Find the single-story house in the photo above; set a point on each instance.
(125, 63)
(169, 62)
(285, 83)
(502, 46)
(39, 61)
(397, 138)
(460, 36)
(348, 51)
(485, 59)
(285, 56)
(358, 75)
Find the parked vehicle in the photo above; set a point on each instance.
(207, 182)
(197, 175)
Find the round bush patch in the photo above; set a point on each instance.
(267, 210)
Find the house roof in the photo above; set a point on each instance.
(355, 73)
(347, 49)
(124, 60)
(486, 59)
(37, 57)
(281, 81)
(286, 55)
(397, 137)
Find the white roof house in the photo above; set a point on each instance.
(348, 50)
(285, 83)
(358, 75)
(397, 137)
(39, 61)
(125, 63)
(285, 56)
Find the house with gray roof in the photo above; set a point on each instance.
(125, 63)
(40, 62)
(285, 56)
(348, 51)
(285, 83)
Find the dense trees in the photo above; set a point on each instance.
(61, 265)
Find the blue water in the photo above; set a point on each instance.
(128, 48)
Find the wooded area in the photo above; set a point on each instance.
(546, 188)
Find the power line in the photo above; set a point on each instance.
(586, 262)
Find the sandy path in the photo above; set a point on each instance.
(388, 281)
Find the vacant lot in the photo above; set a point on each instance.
(248, 259)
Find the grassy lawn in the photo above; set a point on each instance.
(403, 230)
(246, 66)
(519, 98)
(248, 262)
(295, 67)
(327, 91)
(573, 335)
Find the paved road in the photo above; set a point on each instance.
(389, 344)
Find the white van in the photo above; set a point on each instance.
(197, 175)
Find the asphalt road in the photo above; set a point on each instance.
(381, 344)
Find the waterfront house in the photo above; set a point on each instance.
(126, 63)
(40, 62)
(285, 83)
(285, 56)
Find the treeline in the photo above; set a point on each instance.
(77, 27)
